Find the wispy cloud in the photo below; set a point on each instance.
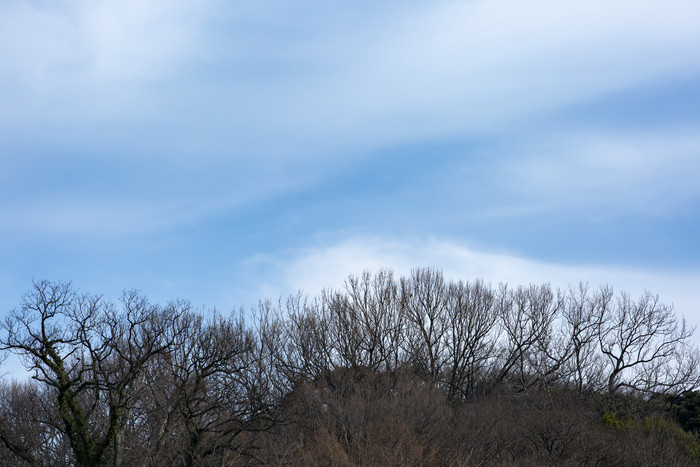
(448, 67)
(421, 70)
(119, 119)
(97, 42)
(327, 265)
(649, 172)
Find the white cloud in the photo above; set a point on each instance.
(468, 66)
(74, 61)
(651, 172)
(99, 39)
(415, 68)
(328, 265)
(141, 39)
(304, 87)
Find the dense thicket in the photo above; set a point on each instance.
(415, 370)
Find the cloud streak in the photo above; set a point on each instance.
(328, 264)
(428, 67)
(651, 173)
(236, 129)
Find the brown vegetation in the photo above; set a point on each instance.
(411, 371)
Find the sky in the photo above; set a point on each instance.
(229, 151)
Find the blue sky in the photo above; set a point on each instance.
(227, 151)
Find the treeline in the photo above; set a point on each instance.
(416, 370)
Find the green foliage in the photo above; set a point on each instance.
(611, 420)
(692, 445)
(686, 409)
(657, 424)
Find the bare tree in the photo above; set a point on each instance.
(527, 318)
(424, 300)
(88, 355)
(582, 315)
(472, 336)
(27, 427)
(646, 347)
(367, 321)
(397, 371)
(307, 348)
(203, 401)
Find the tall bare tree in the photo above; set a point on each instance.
(367, 321)
(88, 354)
(582, 315)
(472, 336)
(646, 346)
(424, 300)
(382, 368)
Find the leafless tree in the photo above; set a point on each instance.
(307, 347)
(414, 370)
(527, 318)
(646, 347)
(367, 321)
(424, 300)
(471, 338)
(582, 314)
(27, 427)
(88, 354)
(203, 401)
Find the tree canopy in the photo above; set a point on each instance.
(378, 369)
